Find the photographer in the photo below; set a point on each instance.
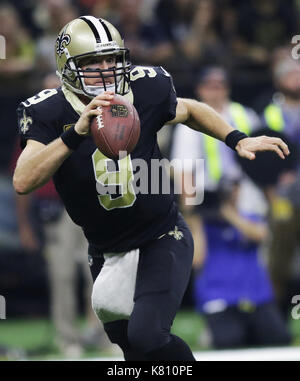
(233, 290)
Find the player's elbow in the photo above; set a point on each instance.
(191, 112)
(20, 185)
(20, 188)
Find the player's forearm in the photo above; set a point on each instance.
(37, 169)
(202, 117)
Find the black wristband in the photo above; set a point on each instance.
(71, 139)
(234, 137)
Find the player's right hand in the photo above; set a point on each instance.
(82, 127)
(247, 147)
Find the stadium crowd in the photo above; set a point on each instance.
(234, 55)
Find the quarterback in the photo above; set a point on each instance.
(140, 248)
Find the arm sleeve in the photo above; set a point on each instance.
(31, 126)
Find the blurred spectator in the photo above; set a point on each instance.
(262, 26)
(26, 12)
(147, 42)
(283, 115)
(233, 290)
(88, 7)
(201, 32)
(51, 16)
(175, 17)
(148, 9)
(205, 41)
(45, 226)
(19, 60)
(105, 9)
(213, 88)
(15, 78)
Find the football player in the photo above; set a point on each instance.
(140, 249)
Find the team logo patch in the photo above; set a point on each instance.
(25, 122)
(61, 42)
(177, 234)
(119, 111)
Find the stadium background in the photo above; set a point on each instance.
(184, 36)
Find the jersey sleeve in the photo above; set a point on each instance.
(171, 100)
(32, 125)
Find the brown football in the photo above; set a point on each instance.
(117, 129)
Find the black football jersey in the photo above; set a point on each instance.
(123, 220)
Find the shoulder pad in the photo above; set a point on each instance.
(50, 102)
(40, 97)
(153, 83)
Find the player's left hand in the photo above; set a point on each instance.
(249, 146)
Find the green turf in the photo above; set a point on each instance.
(188, 325)
(26, 334)
(36, 336)
(295, 330)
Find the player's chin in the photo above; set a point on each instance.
(106, 88)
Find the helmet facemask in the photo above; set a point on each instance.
(73, 74)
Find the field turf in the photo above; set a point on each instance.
(34, 338)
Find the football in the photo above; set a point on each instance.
(117, 128)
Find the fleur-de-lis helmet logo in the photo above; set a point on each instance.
(61, 42)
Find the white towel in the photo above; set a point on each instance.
(113, 290)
